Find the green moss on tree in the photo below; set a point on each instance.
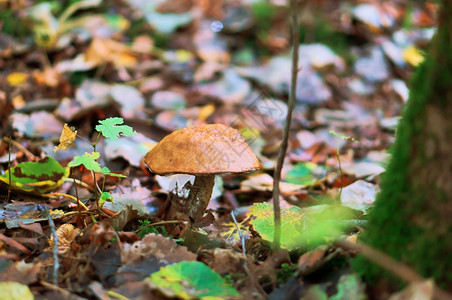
(412, 216)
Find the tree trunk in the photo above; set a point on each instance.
(412, 217)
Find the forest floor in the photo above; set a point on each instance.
(124, 74)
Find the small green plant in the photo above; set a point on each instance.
(285, 272)
(110, 128)
(47, 28)
(145, 227)
(344, 137)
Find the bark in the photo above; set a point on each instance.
(412, 217)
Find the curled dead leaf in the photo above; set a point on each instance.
(66, 234)
(67, 137)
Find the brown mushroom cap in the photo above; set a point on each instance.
(202, 150)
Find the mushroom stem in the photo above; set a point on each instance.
(199, 196)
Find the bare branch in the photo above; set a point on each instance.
(285, 141)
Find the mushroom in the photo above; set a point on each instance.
(203, 151)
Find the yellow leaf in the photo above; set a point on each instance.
(413, 55)
(183, 56)
(206, 111)
(15, 290)
(18, 102)
(17, 78)
(67, 137)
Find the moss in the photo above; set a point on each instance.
(263, 12)
(405, 221)
(12, 24)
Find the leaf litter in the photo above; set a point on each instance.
(135, 71)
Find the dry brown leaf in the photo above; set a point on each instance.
(103, 51)
(310, 261)
(66, 234)
(49, 77)
(152, 245)
(22, 272)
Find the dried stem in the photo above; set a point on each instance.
(56, 264)
(388, 263)
(79, 182)
(9, 172)
(27, 153)
(383, 260)
(242, 238)
(285, 141)
(162, 223)
(74, 199)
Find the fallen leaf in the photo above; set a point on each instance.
(264, 182)
(13, 243)
(190, 280)
(66, 233)
(14, 290)
(67, 137)
(22, 272)
(413, 55)
(37, 177)
(103, 51)
(33, 126)
(359, 195)
(17, 78)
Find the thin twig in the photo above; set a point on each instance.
(242, 238)
(285, 141)
(388, 263)
(340, 173)
(383, 260)
(75, 199)
(56, 264)
(162, 223)
(27, 153)
(78, 200)
(85, 212)
(9, 172)
(85, 139)
(79, 182)
(56, 288)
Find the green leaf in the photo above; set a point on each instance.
(106, 171)
(191, 280)
(104, 197)
(305, 173)
(110, 129)
(88, 160)
(37, 177)
(298, 227)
